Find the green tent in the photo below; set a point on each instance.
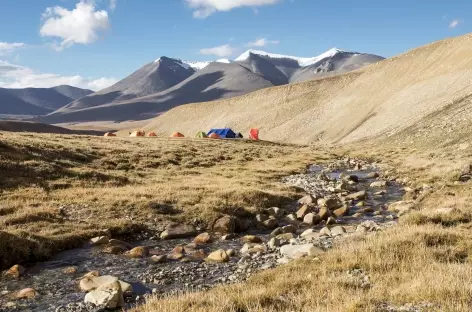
(201, 135)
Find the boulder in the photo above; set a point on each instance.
(325, 231)
(378, 184)
(251, 239)
(324, 213)
(202, 239)
(270, 223)
(225, 225)
(307, 200)
(91, 283)
(176, 230)
(100, 240)
(218, 256)
(305, 209)
(361, 195)
(26, 293)
(109, 296)
(15, 271)
(337, 230)
(311, 219)
(308, 249)
(138, 252)
(343, 211)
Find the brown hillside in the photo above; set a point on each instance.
(383, 98)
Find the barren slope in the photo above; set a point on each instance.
(383, 98)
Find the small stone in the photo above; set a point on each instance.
(138, 252)
(218, 256)
(69, 270)
(261, 217)
(270, 223)
(306, 200)
(100, 240)
(15, 271)
(289, 229)
(291, 217)
(159, 259)
(202, 239)
(114, 250)
(275, 212)
(338, 230)
(117, 242)
(274, 242)
(332, 202)
(311, 219)
(325, 231)
(228, 237)
(276, 232)
(27, 293)
(343, 211)
(176, 230)
(251, 239)
(372, 175)
(378, 184)
(303, 211)
(286, 236)
(231, 252)
(91, 283)
(362, 195)
(360, 204)
(330, 221)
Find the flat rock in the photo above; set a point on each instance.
(176, 230)
(292, 250)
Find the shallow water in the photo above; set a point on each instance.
(58, 289)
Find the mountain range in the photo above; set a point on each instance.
(166, 83)
(38, 101)
(424, 93)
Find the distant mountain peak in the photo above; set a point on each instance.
(302, 61)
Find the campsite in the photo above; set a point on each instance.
(235, 156)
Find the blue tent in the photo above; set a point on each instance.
(225, 133)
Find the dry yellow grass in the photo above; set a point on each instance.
(380, 99)
(57, 191)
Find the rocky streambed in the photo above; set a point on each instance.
(346, 197)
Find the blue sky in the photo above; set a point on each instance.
(93, 43)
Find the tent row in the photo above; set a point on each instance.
(224, 133)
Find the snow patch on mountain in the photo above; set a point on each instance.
(302, 61)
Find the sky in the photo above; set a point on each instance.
(94, 43)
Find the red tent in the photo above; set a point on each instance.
(254, 134)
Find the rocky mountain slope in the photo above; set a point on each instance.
(383, 98)
(38, 101)
(167, 83)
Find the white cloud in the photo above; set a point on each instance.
(454, 23)
(7, 48)
(81, 25)
(262, 42)
(221, 51)
(112, 5)
(17, 76)
(204, 8)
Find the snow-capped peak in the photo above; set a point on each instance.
(302, 61)
(195, 65)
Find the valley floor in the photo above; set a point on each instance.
(58, 191)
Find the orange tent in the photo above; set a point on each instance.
(214, 136)
(152, 134)
(109, 134)
(177, 135)
(254, 134)
(137, 134)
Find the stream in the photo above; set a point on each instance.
(57, 290)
